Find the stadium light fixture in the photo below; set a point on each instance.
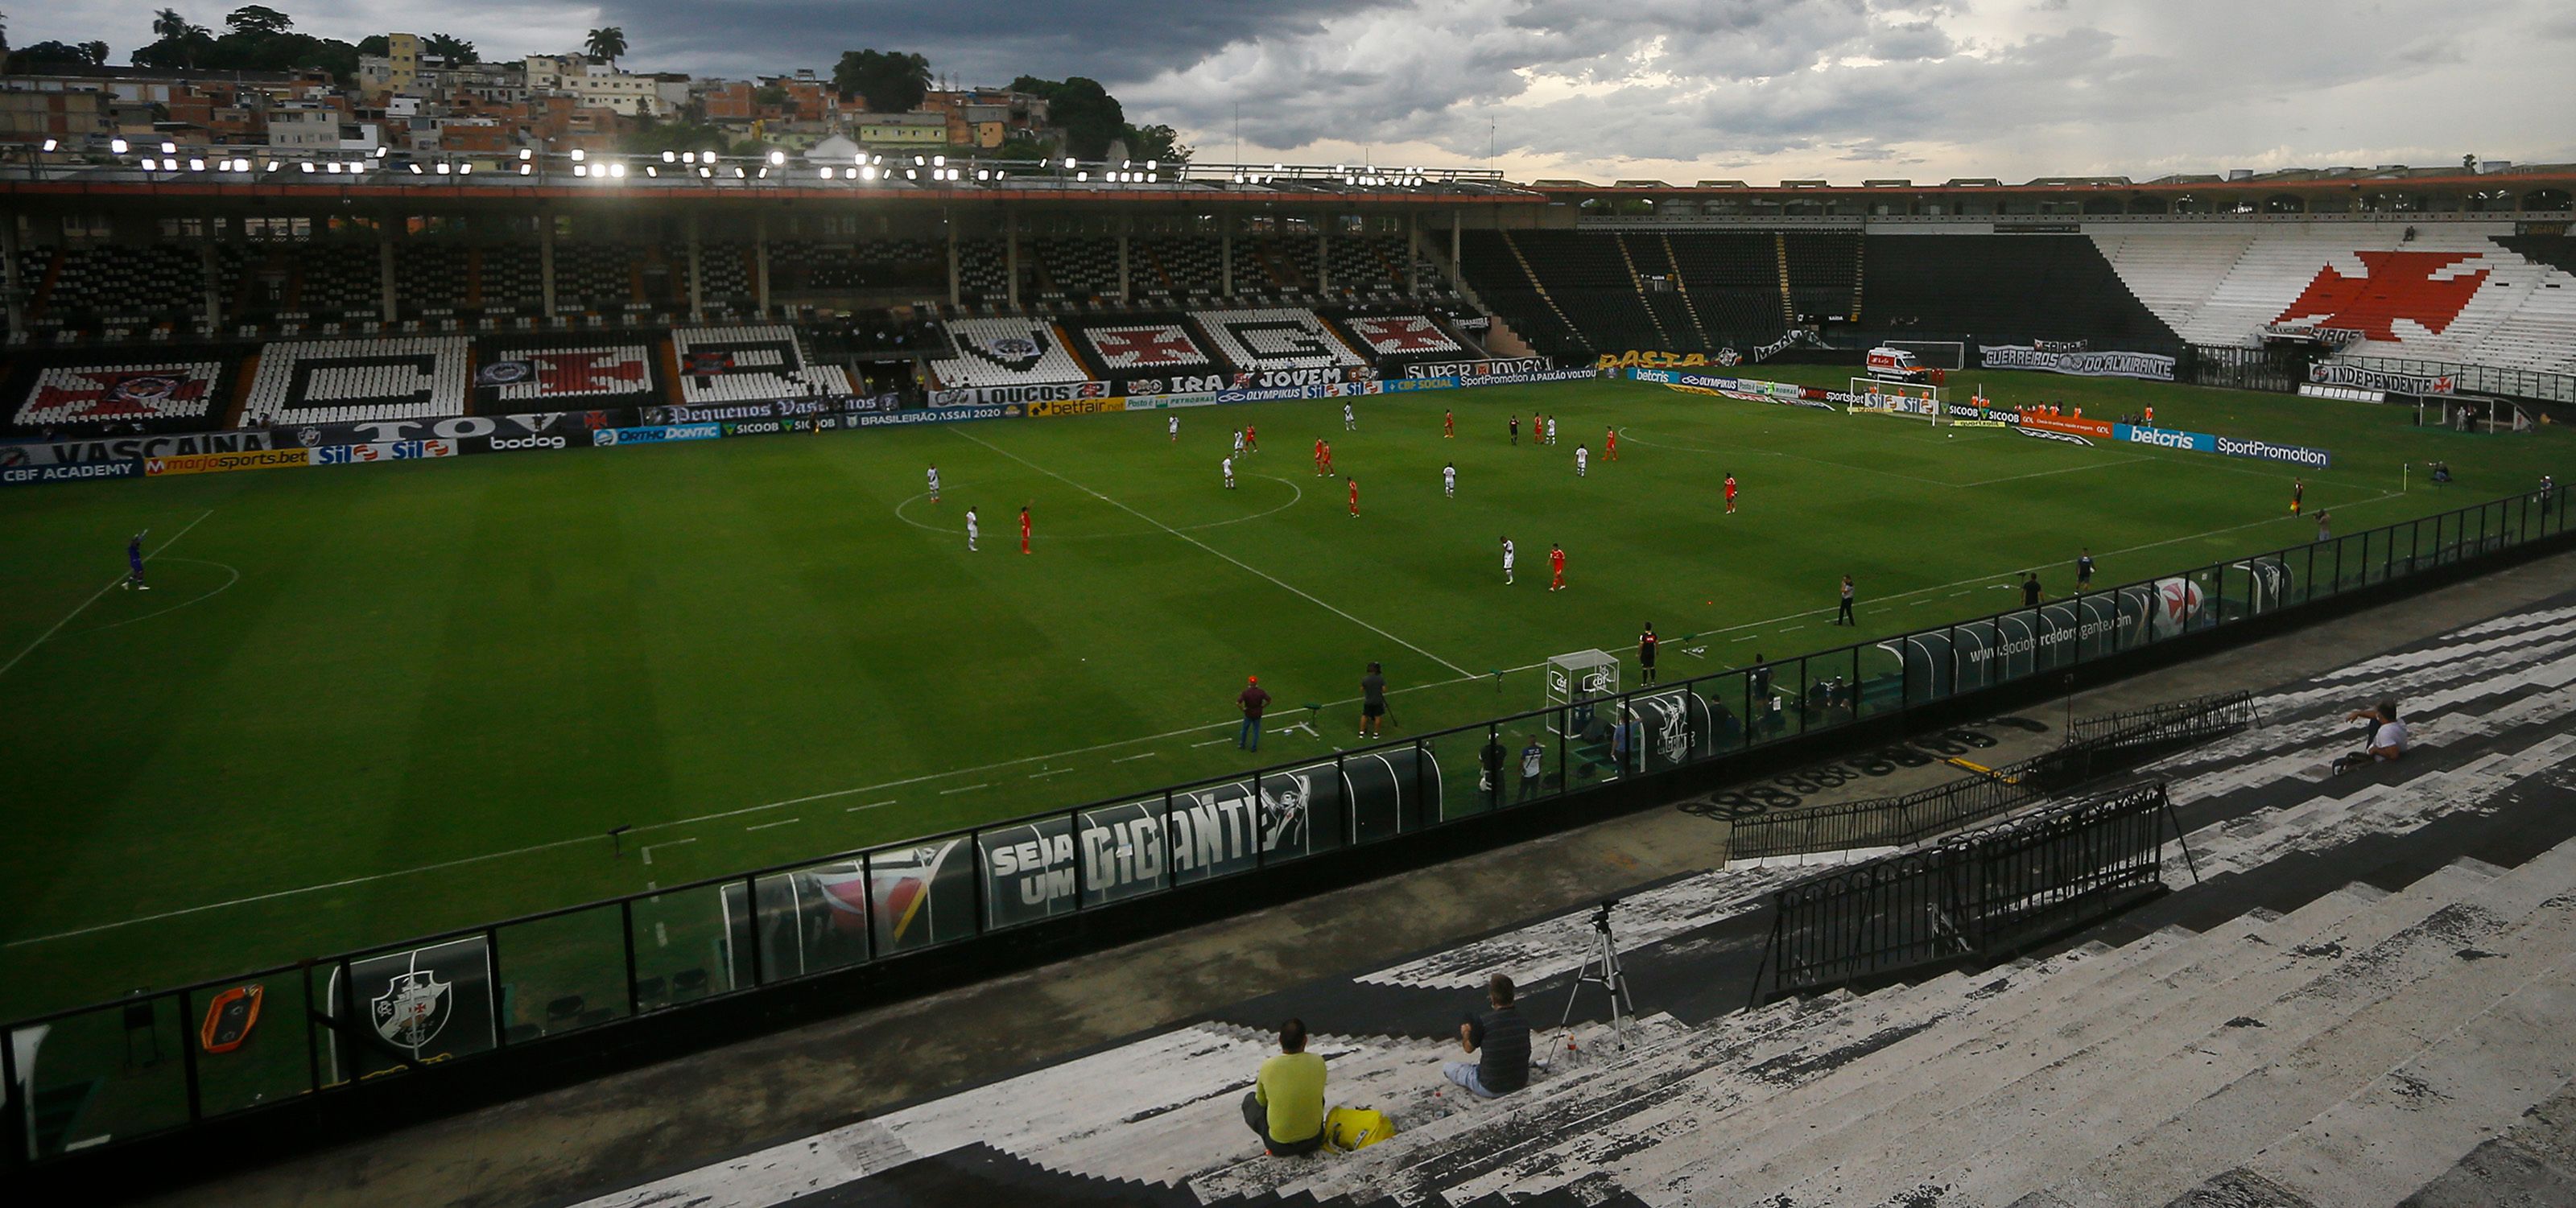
(827, 173)
(705, 173)
(333, 168)
(1068, 162)
(525, 169)
(917, 161)
(1153, 177)
(868, 173)
(526, 154)
(581, 170)
(444, 168)
(764, 172)
(777, 158)
(273, 165)
(415, 170)
(668, 157)
(939, 161)
(50, 144)
(653, 171)
(1153, 165)
(1082, 177)
(579, 155)
(116, 145)
(1126, 164)
(196, 165)
(381, 152)
(465, 169)
(168, 147)
(910, 174)
(617, 171)
(738, 173)
(983, 174)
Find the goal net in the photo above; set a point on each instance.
(2467, 414)
(1934, 354)
(1908, 400)
(1573, 683)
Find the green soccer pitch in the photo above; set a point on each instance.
(364, 704)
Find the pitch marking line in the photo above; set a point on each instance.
(1274, 579)
(42, 638)
(767, 825)
(188, 603)
(1293, 500)
(1132, 758)
(647, 849)
(968, 788)
(1038, 775)
(869, 806)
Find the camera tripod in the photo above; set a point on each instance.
(1601, 968)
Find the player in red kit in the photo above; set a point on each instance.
(1556, 566)
(1610, 443)
(1251, 440)
(1319, 457)
(1730, 494)
(1448, 424)
(1355, 499)
(1024, 528)
(1328, 459)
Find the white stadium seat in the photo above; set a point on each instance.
(753, 363)
(345, 381)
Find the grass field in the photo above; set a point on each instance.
(360, 705)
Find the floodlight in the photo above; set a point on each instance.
(50, 144)
(1083, 177)
(415, 169)
(273, 165)
(1152, 165)
(738, 172)
(909, 174)
(776, 158)
(668, 157)
(868, 173)
(381, 152)
(116, 145)
(916, 161)
(652, 171)
(1152, 177)
(580, 170)
(525, 169)
(526, 154)
(196, 165)
(827, 174)
(764, 173)
(706, 173)
(578, 155)
(333, 168)
(617, 170)
(307, 165)
(983, 174)
(167, 147)
(1068, 161)
(939, 161)
(465, 169)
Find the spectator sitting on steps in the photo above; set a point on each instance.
(1500, 1038)
(2386, 741)
(1285, 1106)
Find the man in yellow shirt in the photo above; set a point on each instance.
(1286, 1105)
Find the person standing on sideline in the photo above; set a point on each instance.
(1229, 473)
(1355, 498)
(1173, 423)
(1516, 428)
(134, 561)
(1646, 654)
(1285, 1106)
(1556, 566)
(1449, 479)
(2084, 569)
(1533, 757)
(2151, 417)
(1844, 617)
(2548, 487)
(934, 484)
(2325, 531)
(1500, 1039)
(972, 530)
(1252, 700)
(1730, 494)
(1448, 424)
(1350, 418)
(1507, 561)
(1582, 460)
(2030, 593)
(1610, 443)
(2298, 494)
(1024, 528)
(1372, 700)
(1491, 761)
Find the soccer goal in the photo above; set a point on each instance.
(1911, 400)
(1934, 354)
(1573, 682)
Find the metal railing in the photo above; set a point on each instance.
(116, 1072)
(2096, 748)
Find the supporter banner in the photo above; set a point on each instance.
(2300, 455)
(224, 463)
(935, 415)
(2146, 365)
(129, 448)
(770, 409)
(1179, 383)
(1321, 375)
(655, 434)
(1655, 360)
(453, 427)
(14, 476)
(2165, 438)
(2068, 424)
(391, 450)
(176, 390)
(2049, 434)
(1464, 370)
(1080, 406)
(2337, 373)
(1048, 392)
(2062, 345)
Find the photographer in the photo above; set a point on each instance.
(1500, 1038)
(2385, 739)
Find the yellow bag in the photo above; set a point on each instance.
(1350, 1128)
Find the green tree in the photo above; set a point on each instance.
(1157, 143)
(258, 19)
(608, 42)
(169, 24)
(451, 48)
(769, 95)
(95, 52)
(62, 54)
(890, 81)
(375, 44)
(1089, 117)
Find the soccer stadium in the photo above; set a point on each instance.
(583, 636)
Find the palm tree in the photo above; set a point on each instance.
(607, 43)
(169, 24)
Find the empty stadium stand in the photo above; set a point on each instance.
(98, 397)
(342, 381)
(2003, 289)
(1733, 278)
(1187, 268)
(1140, 345)
(983, 272)
(724, 276)
(1271, 338)
(1007, 352)
(1369, 266)
(123, 286)
(1397, 336)
(916, 266)
(1074, 270)
(1495, 269)
(732, 364)
(510, 375)
(1824, 271)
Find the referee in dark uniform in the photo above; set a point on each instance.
(1646, 653)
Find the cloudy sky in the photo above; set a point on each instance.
(1679, 90)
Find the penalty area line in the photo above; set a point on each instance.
(47, 635)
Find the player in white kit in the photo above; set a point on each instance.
(1507, 561)
(1582, 459)
(1350, 419)
(934, 484)
(1229, 473)
(972, 531)
(1174, 425)
(1449, 479)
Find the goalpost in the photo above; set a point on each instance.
(1908, 400)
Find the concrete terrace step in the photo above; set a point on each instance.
(2210, 1136)
(2125, 1021)
(1995, 1053)
(1640, 1141)
(2069, 1113)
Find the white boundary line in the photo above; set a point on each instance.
(42, 638)
(1274, 579)
(1293, 500)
